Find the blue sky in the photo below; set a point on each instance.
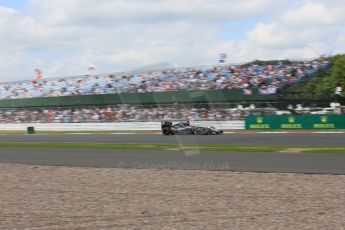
(236, 29)
(16, 4)
(63, 37)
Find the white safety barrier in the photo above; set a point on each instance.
(113, 126)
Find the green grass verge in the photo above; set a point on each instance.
(230, 148)
(173, 147)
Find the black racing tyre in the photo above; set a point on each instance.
(204, 131)
(201, 131)
(197, 132)
(166, 131)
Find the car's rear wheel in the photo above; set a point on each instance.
(166, 131)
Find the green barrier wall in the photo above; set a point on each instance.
(295, 122)
(207, 96)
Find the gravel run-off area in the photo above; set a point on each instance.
(44, 197)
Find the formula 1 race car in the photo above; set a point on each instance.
(184, 128)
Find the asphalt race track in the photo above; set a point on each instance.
(249, 162)
(253, 162)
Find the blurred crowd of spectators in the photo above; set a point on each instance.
(125, 112)
(118, 113)
(268, 78)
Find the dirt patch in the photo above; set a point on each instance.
(37, 197)
(301, 150)
(295, 150)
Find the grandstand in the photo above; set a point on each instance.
(204, 93)
(266, 78)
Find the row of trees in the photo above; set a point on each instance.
(321, 86)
